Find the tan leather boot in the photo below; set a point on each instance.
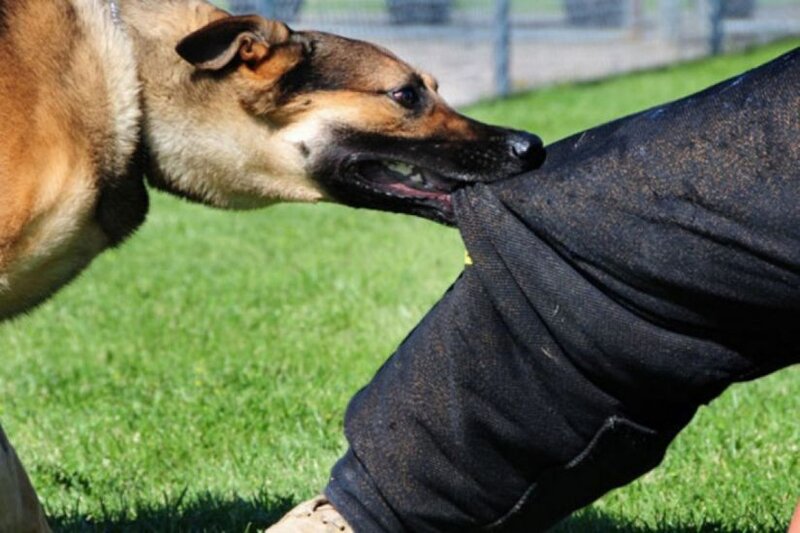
(313, 516)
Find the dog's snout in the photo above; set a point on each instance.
(526, 147)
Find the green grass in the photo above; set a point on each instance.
(196, 378)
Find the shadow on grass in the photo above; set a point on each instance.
(593, 521)
(211, 513)
(206, 512)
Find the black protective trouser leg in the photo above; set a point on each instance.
(466, 427)
(647, 266)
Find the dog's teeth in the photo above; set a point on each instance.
(400, 168)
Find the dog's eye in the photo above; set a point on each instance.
(406, 96)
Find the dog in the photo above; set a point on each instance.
(246, 113)
(235, 112)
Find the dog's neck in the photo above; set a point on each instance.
(200, 142)
(169, 100)
(106, 44)
(104, 74)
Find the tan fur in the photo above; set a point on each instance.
(372, 112)
(73, 110)
(71, 113)
(237, 163)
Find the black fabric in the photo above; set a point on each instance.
(648, 265)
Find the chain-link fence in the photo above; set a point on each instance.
(482, 48)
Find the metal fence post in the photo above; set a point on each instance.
(502, 47)
(635, 18)
(671, 20)
(717, 34)
(266, 8)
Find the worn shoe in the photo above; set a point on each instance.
(313, 516)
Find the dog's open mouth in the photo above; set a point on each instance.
(388, 184)
(395, 185)
(403, 180)
(425, 181)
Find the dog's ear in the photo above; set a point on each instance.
(248, 37)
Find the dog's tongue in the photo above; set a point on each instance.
(410, 192)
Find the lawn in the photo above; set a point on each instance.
(196, 378)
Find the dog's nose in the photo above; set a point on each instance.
(526, 147)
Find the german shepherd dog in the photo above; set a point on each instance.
(245, 114)
(231, 111)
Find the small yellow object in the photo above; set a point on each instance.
(467, 258)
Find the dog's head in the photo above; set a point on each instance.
(352, 121)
